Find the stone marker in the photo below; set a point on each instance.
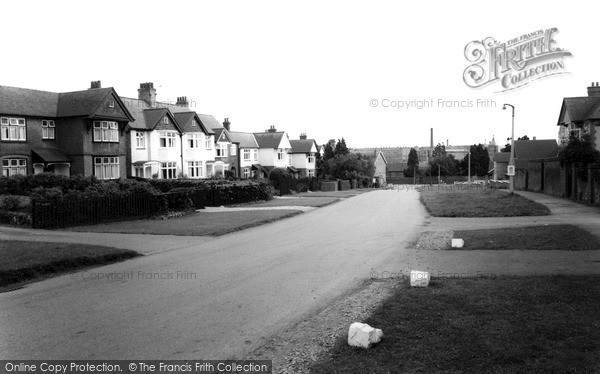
(419, 278)
(363, 335)
(457, 243)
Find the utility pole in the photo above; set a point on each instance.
(469, 167)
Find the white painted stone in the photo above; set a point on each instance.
(457, 243)
(419, 278)
(363, 335)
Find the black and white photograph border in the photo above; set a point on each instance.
(299, 187)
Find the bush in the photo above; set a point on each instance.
(277, 174)
(11, 203)
(15, 218)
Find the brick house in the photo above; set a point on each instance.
(273, 150)
(226, 157)
(581, 115)
(80, 132)
(303, 156)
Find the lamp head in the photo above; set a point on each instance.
(504, 107)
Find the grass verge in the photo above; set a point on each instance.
(196, 224)
(551, 237)
(505, 325)
(479, 203)
(24, 261)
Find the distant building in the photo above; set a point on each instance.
(580, 115)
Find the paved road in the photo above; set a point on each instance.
(240, 288)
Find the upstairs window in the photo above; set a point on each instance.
(311, 158)
(106, 131)
(166, 139)
(246, 155)
(233, 150)
(255, 152)
(222, 150)
(208, 142)
(280, 154)
(166, 120)
(194, 140)
(13, 129)
(47, 129)
(140, 139)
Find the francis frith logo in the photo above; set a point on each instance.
(514, 63)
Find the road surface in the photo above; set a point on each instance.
(219, 298)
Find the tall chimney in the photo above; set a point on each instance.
(147, 93)
(182, 101)
(303, 136)
(95, 84)
(594, 89)
(431, 141)
(226, 124)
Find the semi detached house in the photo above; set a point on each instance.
(97, 132)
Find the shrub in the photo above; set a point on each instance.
(15, 218)
(277, 175)
(11, 203)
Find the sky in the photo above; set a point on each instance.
(330, 69)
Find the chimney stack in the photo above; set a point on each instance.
(303, 136)
(594, 89)
(95, 84)
(226, 124)
(272, 129)
(431, 141)
(534, 138)
(182, 101)
(147, 93)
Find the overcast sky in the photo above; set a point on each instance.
(305, 67)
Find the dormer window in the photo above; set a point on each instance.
(47, 129)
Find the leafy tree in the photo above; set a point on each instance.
(442, 162)
(480, 161)
(506, 148)
(351, 165)
(524, 137)
(439, 151)
(579, 150)
(412, 164)
(341, 148)
(328, 151)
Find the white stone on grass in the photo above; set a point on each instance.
(457, 243)
(419, 278)
(363, 335)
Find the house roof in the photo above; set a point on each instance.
(501, 157)
(244, 139)
(23, 101)
(26, 102)
(219, 131)
(268, 139)
(185, 121)
(303, 145)
(382, 157)
(535, 149)
(210, 121)
(580, 108)
(50, 155)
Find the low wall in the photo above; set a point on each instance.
(328, 186)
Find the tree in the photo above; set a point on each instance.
(341, 148)
(524, 137)
(480, 161)
(351, 165)
(442, 163)
(506, 148)
(328, 151)
(412, 164)
(579, 150)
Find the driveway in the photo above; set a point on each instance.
(216, 298)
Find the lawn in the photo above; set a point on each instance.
(507, 325)
(479, 203)
(195, 224)
(22, 260)
(559, 237)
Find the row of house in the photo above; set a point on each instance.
(97, 132)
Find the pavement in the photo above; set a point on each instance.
(217, 298)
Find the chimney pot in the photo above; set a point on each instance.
(147, 93)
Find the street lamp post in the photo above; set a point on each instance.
(512, 148)
(469, 166)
